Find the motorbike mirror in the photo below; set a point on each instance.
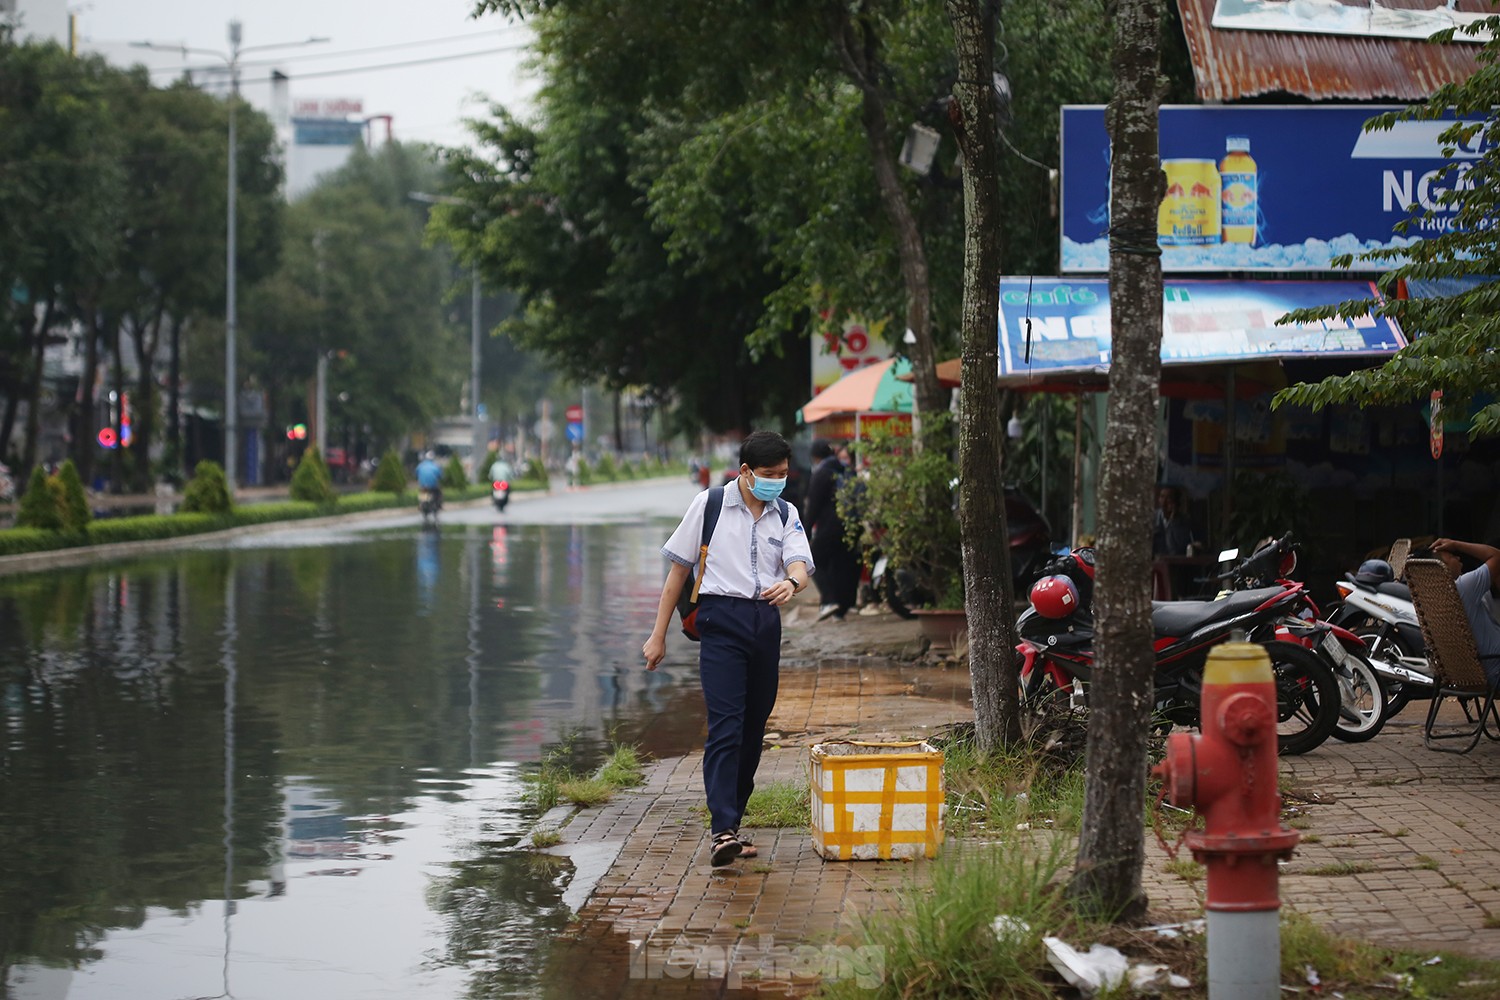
(1229, 554)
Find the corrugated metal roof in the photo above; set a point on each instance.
(1234, 64)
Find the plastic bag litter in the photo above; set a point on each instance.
(1005, 927)
(1101, 967)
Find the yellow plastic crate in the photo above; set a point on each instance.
(877, 800)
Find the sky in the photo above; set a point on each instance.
(428, 101)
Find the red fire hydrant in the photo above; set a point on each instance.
(1228, 774)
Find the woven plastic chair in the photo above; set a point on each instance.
(1400, 549)
(1453, 657)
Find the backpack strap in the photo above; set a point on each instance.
(711, 508)
(781, 509)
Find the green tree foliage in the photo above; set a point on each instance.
(73, 508)
(208, 491)
(39, 504)
(906, 507)
(454, 477)
(740, 132)
(311, 482)
(1456, 345)
(355, 282)
(61, 185)
(389, 476)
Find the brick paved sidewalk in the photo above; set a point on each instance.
(1396, 848)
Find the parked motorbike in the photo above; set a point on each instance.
(500, 493)
(1378, 609)
(1057, 650)
(1363, 706)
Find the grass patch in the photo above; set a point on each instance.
(1188, 871)
(1428, 862)
(995, 794)
(1299, 823)
(938, 940)
(558, 780)
(547, 836)
(1403, 832)
(1340, 868)
(585, 792)
(1491, 922)
(779, 804)
(1361, 970)
(1312, 838)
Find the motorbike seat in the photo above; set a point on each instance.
(1176, 618)
(1400, 591)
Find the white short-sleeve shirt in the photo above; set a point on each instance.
(746, 554)
(1474, 590)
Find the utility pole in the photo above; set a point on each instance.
(231, 60)
(320, 406)
(231, 316)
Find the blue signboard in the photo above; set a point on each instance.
(575, 433)
(1203, 322)
(326, 132)
(1261, 188)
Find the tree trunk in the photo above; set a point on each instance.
(858, 49)
(1111, 846)
(145, 336)
(176, 469)
(34, 390)
(981, 495)
(117, 381)
(85, 432)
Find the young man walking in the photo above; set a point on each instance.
(758, 558)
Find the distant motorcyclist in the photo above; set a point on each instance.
(430, 477)
(501, 471)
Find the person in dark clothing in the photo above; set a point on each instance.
(838, 579)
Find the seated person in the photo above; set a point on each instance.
(1172, 535)
(1477, 589)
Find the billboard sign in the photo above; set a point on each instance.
(848, 347)
(1419, 19)
(1262, 188)
(327, 107)
(326, 132)
(1203, 322)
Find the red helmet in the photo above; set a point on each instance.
(1054, 597)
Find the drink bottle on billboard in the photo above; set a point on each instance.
(1189, 214)
(1240, 183)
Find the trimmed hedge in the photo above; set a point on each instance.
(151, 527)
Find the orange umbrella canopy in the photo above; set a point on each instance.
(875, 388)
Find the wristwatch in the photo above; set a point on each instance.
(796, 587)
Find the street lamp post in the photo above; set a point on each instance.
(231, 59)
(477, 442)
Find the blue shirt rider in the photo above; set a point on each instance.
(430, 477)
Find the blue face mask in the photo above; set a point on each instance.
(766, 489)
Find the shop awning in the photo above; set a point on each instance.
(1204, 323)
(876, 388)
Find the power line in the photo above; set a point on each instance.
(348, 71)
(396, 46)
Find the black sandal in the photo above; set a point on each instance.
(726, 847)
(747, 848)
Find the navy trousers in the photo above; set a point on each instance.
(738, 662)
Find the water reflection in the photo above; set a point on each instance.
(298, 772)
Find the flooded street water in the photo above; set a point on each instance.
(293, 766)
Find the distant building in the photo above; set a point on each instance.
(38, 20)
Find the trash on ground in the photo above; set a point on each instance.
(1434, 960)
(1311, 975)
(1006, 926)
(1101, 967)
